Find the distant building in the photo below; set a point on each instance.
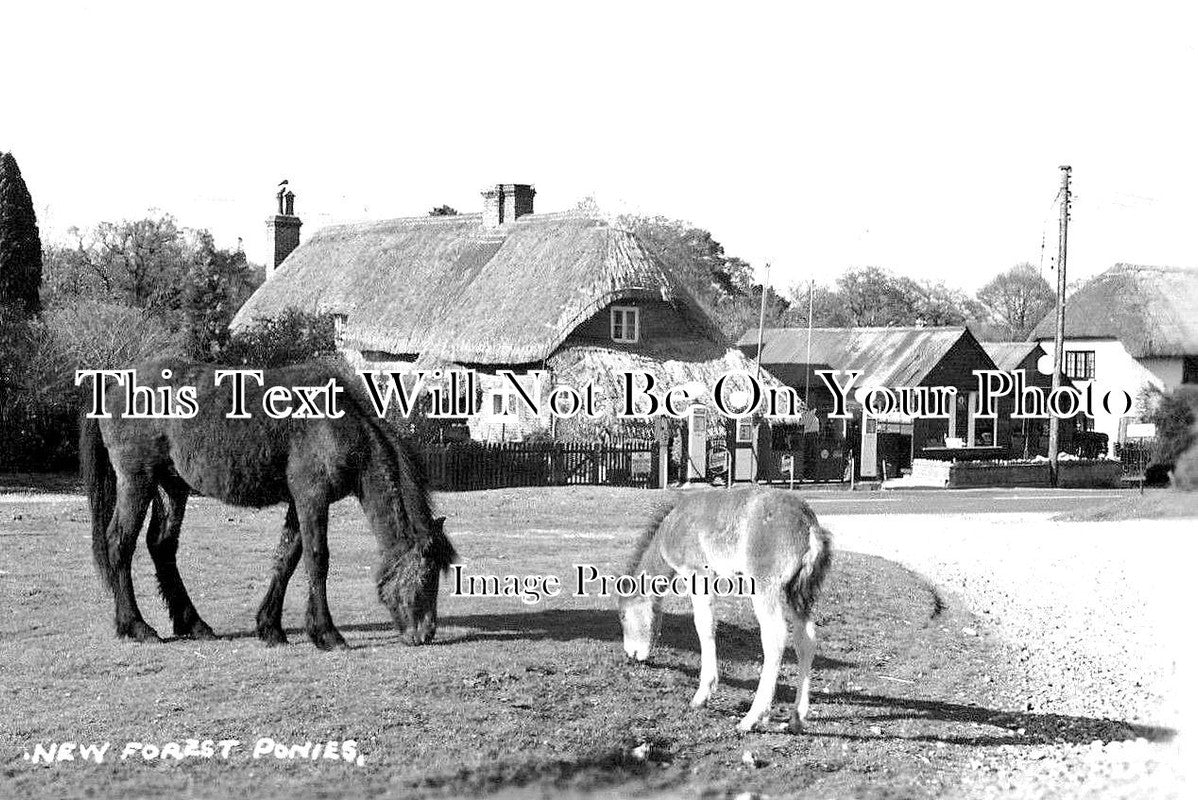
(1129, 328)
(1024, 438)
(507, 288)
(891, 358)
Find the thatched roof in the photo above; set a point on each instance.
(1009, 356)
(445, 288)
(578, 366)
(885, 356)
(1153, 311)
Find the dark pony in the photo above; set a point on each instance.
(132, 466)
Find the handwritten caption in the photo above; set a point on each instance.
(194, 749)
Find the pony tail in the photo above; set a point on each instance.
(99, 479)
(803, 589)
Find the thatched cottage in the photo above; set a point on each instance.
(505, 289)
(1129, 328)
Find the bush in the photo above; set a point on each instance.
(290, 338)
(1185, 473)
(1174, 415)
(39, 401)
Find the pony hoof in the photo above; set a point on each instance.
(747, 725)
(138, 632)
(272, 637)
(795, 724)
(199, 631)
(329, 641)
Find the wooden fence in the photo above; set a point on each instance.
(477, 465)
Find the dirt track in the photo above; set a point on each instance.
(1092, 611)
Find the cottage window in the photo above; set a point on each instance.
(339, 321)
(625, 324)
(500, 405)
(1079, 364)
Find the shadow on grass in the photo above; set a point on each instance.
(41, 483)
(736, 643)
(1024, 728)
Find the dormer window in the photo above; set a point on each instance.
(625, 324)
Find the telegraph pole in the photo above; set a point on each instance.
(757, 472)
(765, 285)
(1058, 354)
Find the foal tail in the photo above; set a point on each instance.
(803, 589)
(100, 481)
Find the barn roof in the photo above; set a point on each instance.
(446, 288)
(885, 356)
(1008, 356)
(1153, 311)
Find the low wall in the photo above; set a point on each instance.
(1071, 474)
(981, 473)
(1098, 474)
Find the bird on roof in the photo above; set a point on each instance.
(283, 182)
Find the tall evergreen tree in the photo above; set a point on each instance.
(20, 244)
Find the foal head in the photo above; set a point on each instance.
(640, 616)
(408, 583)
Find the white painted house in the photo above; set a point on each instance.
(1130, 328)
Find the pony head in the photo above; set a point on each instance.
(640, 617)
(409, 580)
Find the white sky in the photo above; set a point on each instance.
(920, 137)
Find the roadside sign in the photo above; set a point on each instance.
(1141, 430)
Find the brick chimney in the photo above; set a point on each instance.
(506, 202)
(282, 230)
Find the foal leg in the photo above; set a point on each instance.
(162, 540)
(771, 617)
(134, 493)
(803, 638)
(705, 625)
(287, 556)
(314, 538)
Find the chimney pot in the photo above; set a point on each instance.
(282, 231)
(505, 203)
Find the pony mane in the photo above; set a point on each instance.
(398, 466)
(643, 542)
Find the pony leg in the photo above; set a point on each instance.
(804, 644)
(162, 540)
(314, 538)
(772, 619)
(287, 556)
(705, 624)
(133, 498)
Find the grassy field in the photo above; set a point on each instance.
(1152, 504)
(511, 698)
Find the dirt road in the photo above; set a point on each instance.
(1095, 613)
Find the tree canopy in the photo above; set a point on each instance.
(1018, 299)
